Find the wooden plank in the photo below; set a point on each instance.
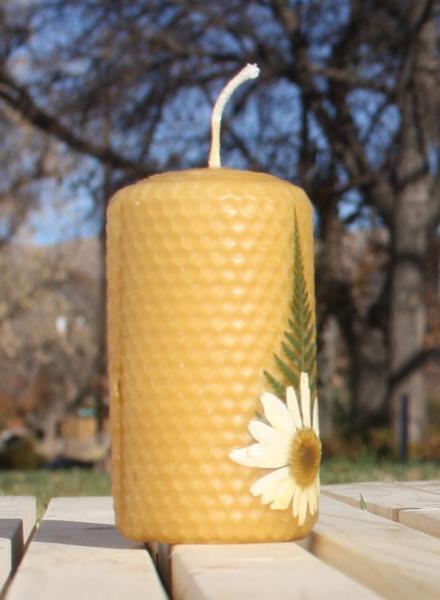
(394, 560)
(258, 571)
(417, 507)
(383, 498)
(427, 486)
(17, 520)
(78, 553)
(423, 519)
(20, 507)
(161, 558)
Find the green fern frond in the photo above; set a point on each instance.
(309, 357)
(291, 374)
(309, 339)
(278, 388)
(295, 346)
(294, 327)
(299, 346)
(291, 355)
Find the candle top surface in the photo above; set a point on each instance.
(221, 180)
(220, 174)
(216, 176)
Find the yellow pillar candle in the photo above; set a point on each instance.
(211, 309)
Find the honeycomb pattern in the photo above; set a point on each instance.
(199, 284)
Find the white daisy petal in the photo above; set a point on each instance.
(241, 456)
(308, 498)
(317, 493)
(315, 421)
(272, 493)
(303, 509)
(257, 455)
(277, 413)
(305, 399)
(284, 494)
(312, 499)
(267, 481)
(267, 458)
(268, 496)
(292, 404)
(297, 500)
(315, 498)
(268, 435)
(274, 443)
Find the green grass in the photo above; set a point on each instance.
(78, 482)
(367, 468)
(48, 484)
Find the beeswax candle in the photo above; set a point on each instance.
(202, 267)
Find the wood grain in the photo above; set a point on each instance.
(416, 505)
(17, 520)
(78, 553)
(257, 571)
(394, 560)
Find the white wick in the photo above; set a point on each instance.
(248, 72)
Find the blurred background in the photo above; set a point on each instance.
(95, 94)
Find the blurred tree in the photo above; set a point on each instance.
(48, 331)
(345, 106)
(19, 178)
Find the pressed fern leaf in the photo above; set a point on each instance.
(289, 373)
(299, 344)
(278, 388)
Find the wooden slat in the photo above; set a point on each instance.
(423, 519)
(161, 558)
(78, 553)
(427, 486)
(417, 507)
(394, 560)
(257, 571)
(17, 520)
(20, 507)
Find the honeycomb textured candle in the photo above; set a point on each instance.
(199, 287)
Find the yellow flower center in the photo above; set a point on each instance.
(305, 457)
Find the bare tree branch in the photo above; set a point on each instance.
(17, 98)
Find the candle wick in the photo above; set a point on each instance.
(248, 72)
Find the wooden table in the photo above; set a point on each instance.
(373, 540)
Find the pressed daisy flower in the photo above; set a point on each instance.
(289, 445)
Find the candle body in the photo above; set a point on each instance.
(200, 269)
